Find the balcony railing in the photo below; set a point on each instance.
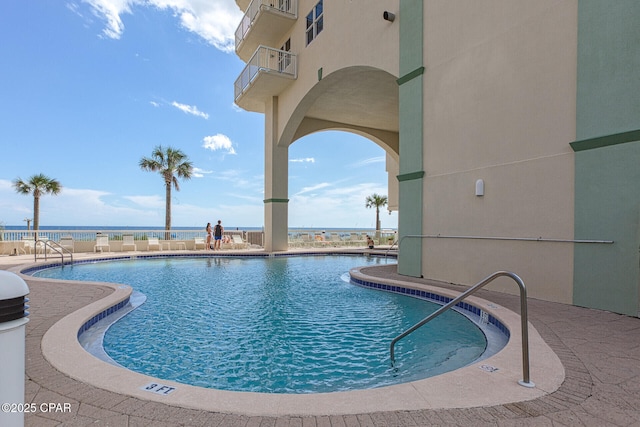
(267, 73)
(265, 22)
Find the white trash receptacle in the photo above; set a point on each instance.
(13, 318)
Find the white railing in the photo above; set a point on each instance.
(266, 60)
(90, 235)
(19, 241)
(303, 238)
(288, 7)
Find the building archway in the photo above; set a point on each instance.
(359, 99)
(331, 173)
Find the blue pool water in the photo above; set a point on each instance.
(274, 325)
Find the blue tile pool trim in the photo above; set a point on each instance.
(98, 317)
(438, 299)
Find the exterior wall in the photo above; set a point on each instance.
(345, 65)
(607, 201)
(499, 105)
(371, 43)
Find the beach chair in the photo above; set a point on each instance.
(357, 239)
(153, 242)
(42, 244)
(101, 243)
(127, 242)
(227, 242)
(295, 241)
(199, 241)
(66, 242)
(238, 243)
(28, 244)
(306, 239)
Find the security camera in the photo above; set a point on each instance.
(388, 16)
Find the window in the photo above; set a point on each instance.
(314, 22)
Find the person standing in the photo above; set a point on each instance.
(209, 235)
(217, 235)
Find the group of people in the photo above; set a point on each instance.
(216, 234)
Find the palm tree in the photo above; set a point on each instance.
(38, 185)
(171, 164)
(376, 201)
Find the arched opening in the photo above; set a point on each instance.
(358, 100)
(330, 175)
(362, 100)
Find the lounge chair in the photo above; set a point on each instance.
(227, 242)
(66, 242)
(238, 243)
(335, 240)
(42, 244)
(127, 242)
(101, 243)
(28, 244)
(357, 239)
(295, 241)
(199, 241)
(307, 240)
(153, 242)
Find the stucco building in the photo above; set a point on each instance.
(511, 127)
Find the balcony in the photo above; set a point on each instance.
(265, 22)
(242, 4)
(268, 72)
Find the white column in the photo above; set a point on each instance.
(276, 183)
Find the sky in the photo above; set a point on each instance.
(89, 87)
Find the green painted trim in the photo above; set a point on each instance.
(605, 141)
(410, 76)
(410, 176)
(276, 200)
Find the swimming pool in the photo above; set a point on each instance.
(276, 325)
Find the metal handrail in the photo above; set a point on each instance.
(517, 239)
(526, 381)
(395, 243)
(60, 250)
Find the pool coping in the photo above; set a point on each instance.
(473, 386)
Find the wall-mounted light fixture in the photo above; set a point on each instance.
(388, 16)
(480, 188)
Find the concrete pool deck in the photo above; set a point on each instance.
(600, 353)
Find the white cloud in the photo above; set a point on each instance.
(239, 180)
(369, 161)
(333, 205)
(190, 109)
(313, 188)
(218, 142)
(5, 184)
(147, 201)
(213, 20)
(200, 173)
(303, 160)
(110, 11)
